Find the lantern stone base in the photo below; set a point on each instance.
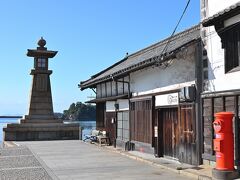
(37, 130)
(225, 175)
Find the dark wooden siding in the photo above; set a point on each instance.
(111, 127)
(238, 102)
(112, 88)
(211, 105)
(109, 88)
(100, 111)
(169, 119)
(158, 141)
(187, 133)
(120, 87)
(230, 43)
(177, 132)
(141, 121)
(98, 91)
(125, 85)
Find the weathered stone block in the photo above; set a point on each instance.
(25, 132)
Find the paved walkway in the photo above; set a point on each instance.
(77, 160)
(18, 163)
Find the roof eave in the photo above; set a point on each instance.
(223, 15)
(112, 98)
(135, 67)
(41, 53)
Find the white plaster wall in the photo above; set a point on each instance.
(218, 80)
(110, 106)
(179, 73)
(214, 6)
(123, 104)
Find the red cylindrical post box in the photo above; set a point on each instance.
(223, 142)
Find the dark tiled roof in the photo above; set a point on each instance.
(144, 57)
(222, 15)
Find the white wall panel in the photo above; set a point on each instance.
(179, 73)
(110, 106)
(123, 104)
(218, 80)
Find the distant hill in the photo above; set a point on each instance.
(79, 111)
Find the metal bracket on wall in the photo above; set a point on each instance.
(93, 90)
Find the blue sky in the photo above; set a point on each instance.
(89, 36)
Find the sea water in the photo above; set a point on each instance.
(87, 126)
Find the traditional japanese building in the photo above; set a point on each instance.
(220, 33)
(150, 100)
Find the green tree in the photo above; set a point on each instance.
(80, 111)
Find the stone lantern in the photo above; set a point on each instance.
(40, 123)
(41, 107)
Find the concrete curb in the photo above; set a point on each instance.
(182, 172)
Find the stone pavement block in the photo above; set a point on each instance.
(18, 161)
(24, 174)
(14, 151)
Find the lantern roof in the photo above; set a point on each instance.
(41, 51)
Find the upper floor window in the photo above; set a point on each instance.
(41, 62)
(231, 44)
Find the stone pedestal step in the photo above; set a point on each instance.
(38, 116)
(41, 121)
(41, 131)
(43, 126)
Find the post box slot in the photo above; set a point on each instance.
(217, 145)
